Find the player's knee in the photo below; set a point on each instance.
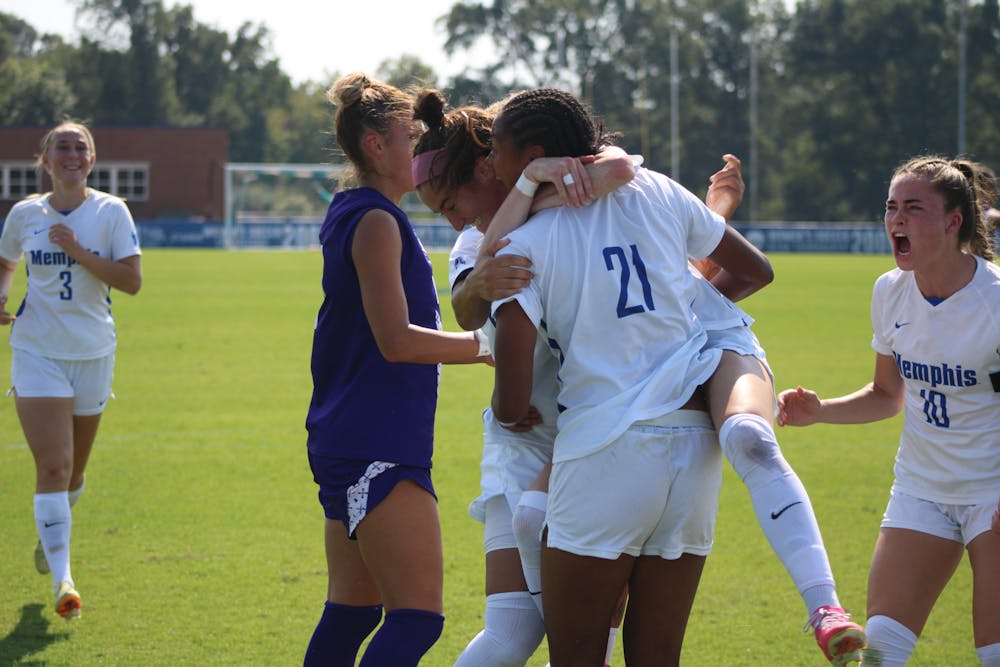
(750, 445)
(512, 633)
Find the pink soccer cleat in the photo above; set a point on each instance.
(840, 638)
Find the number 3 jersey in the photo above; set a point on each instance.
(66, 312)
(612, 295)
(949, 358)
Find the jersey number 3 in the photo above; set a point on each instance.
(624, 310)
(66, 294)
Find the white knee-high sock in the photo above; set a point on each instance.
(890, 643)
(54, 522)
(989, 655)
(513, 630)
(781, 504)
(74, 494)
(529, 519)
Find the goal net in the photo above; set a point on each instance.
(282, 205)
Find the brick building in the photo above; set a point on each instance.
(162, 173)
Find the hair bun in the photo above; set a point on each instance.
(429, 108)
(349, 89)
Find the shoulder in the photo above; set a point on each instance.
(892, 279)
(105, 198)
(991, 272)
(467, 244)
(28, 206)
(534, 232)
(464, 253)
(108, 203)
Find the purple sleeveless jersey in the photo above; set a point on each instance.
(364, 407)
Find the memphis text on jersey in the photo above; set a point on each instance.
(934, 374)
(46, 258)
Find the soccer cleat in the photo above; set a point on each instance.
(840, 638)
(41, 563)
(67, 601)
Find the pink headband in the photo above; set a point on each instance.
(421, 167)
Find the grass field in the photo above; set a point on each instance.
(199, 538)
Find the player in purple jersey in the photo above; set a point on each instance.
(77, 244)
(936, 334)
(376, 350)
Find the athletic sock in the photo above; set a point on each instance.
(74, 494)
(781, 504)
(823, 595)
(989, 655)
(528, 522)
(340, 633)
(890, 643)
(513, 630)
(405, 636)
(54, 522)
(612, 634)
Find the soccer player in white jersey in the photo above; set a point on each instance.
(77, 243)
(740, 391)
(936, 323)
(634, 437)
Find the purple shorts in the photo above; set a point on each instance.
(349, 488)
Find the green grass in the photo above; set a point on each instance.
(199, 539)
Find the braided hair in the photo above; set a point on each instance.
(553, 119)
(965, 185)
(462, 135)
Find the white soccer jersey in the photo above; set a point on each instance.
(66, 313)
(713, 309)
(949, 358)
(544, 386)
(611, 296)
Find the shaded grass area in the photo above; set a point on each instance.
(199, 538)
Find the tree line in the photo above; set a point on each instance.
(821, 99)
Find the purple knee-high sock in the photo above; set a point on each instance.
(403, 638)
(339, 633)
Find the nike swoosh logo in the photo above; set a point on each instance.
(775, 515)
(900, 325)
(54, 523)
(37, 232)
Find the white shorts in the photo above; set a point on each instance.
(511, 462)
(959, 523)
(740, 340)
(86, 381)
(652, 492)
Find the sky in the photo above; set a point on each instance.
(311, 38)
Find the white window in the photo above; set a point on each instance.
(18, 180)
(126, 180)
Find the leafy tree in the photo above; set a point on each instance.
(406, 71)
(302, 131)
(149, 98)
(199, 54)
(33, 91)
(861, 100)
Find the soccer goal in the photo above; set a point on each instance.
(282, 205)
(277, 205)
